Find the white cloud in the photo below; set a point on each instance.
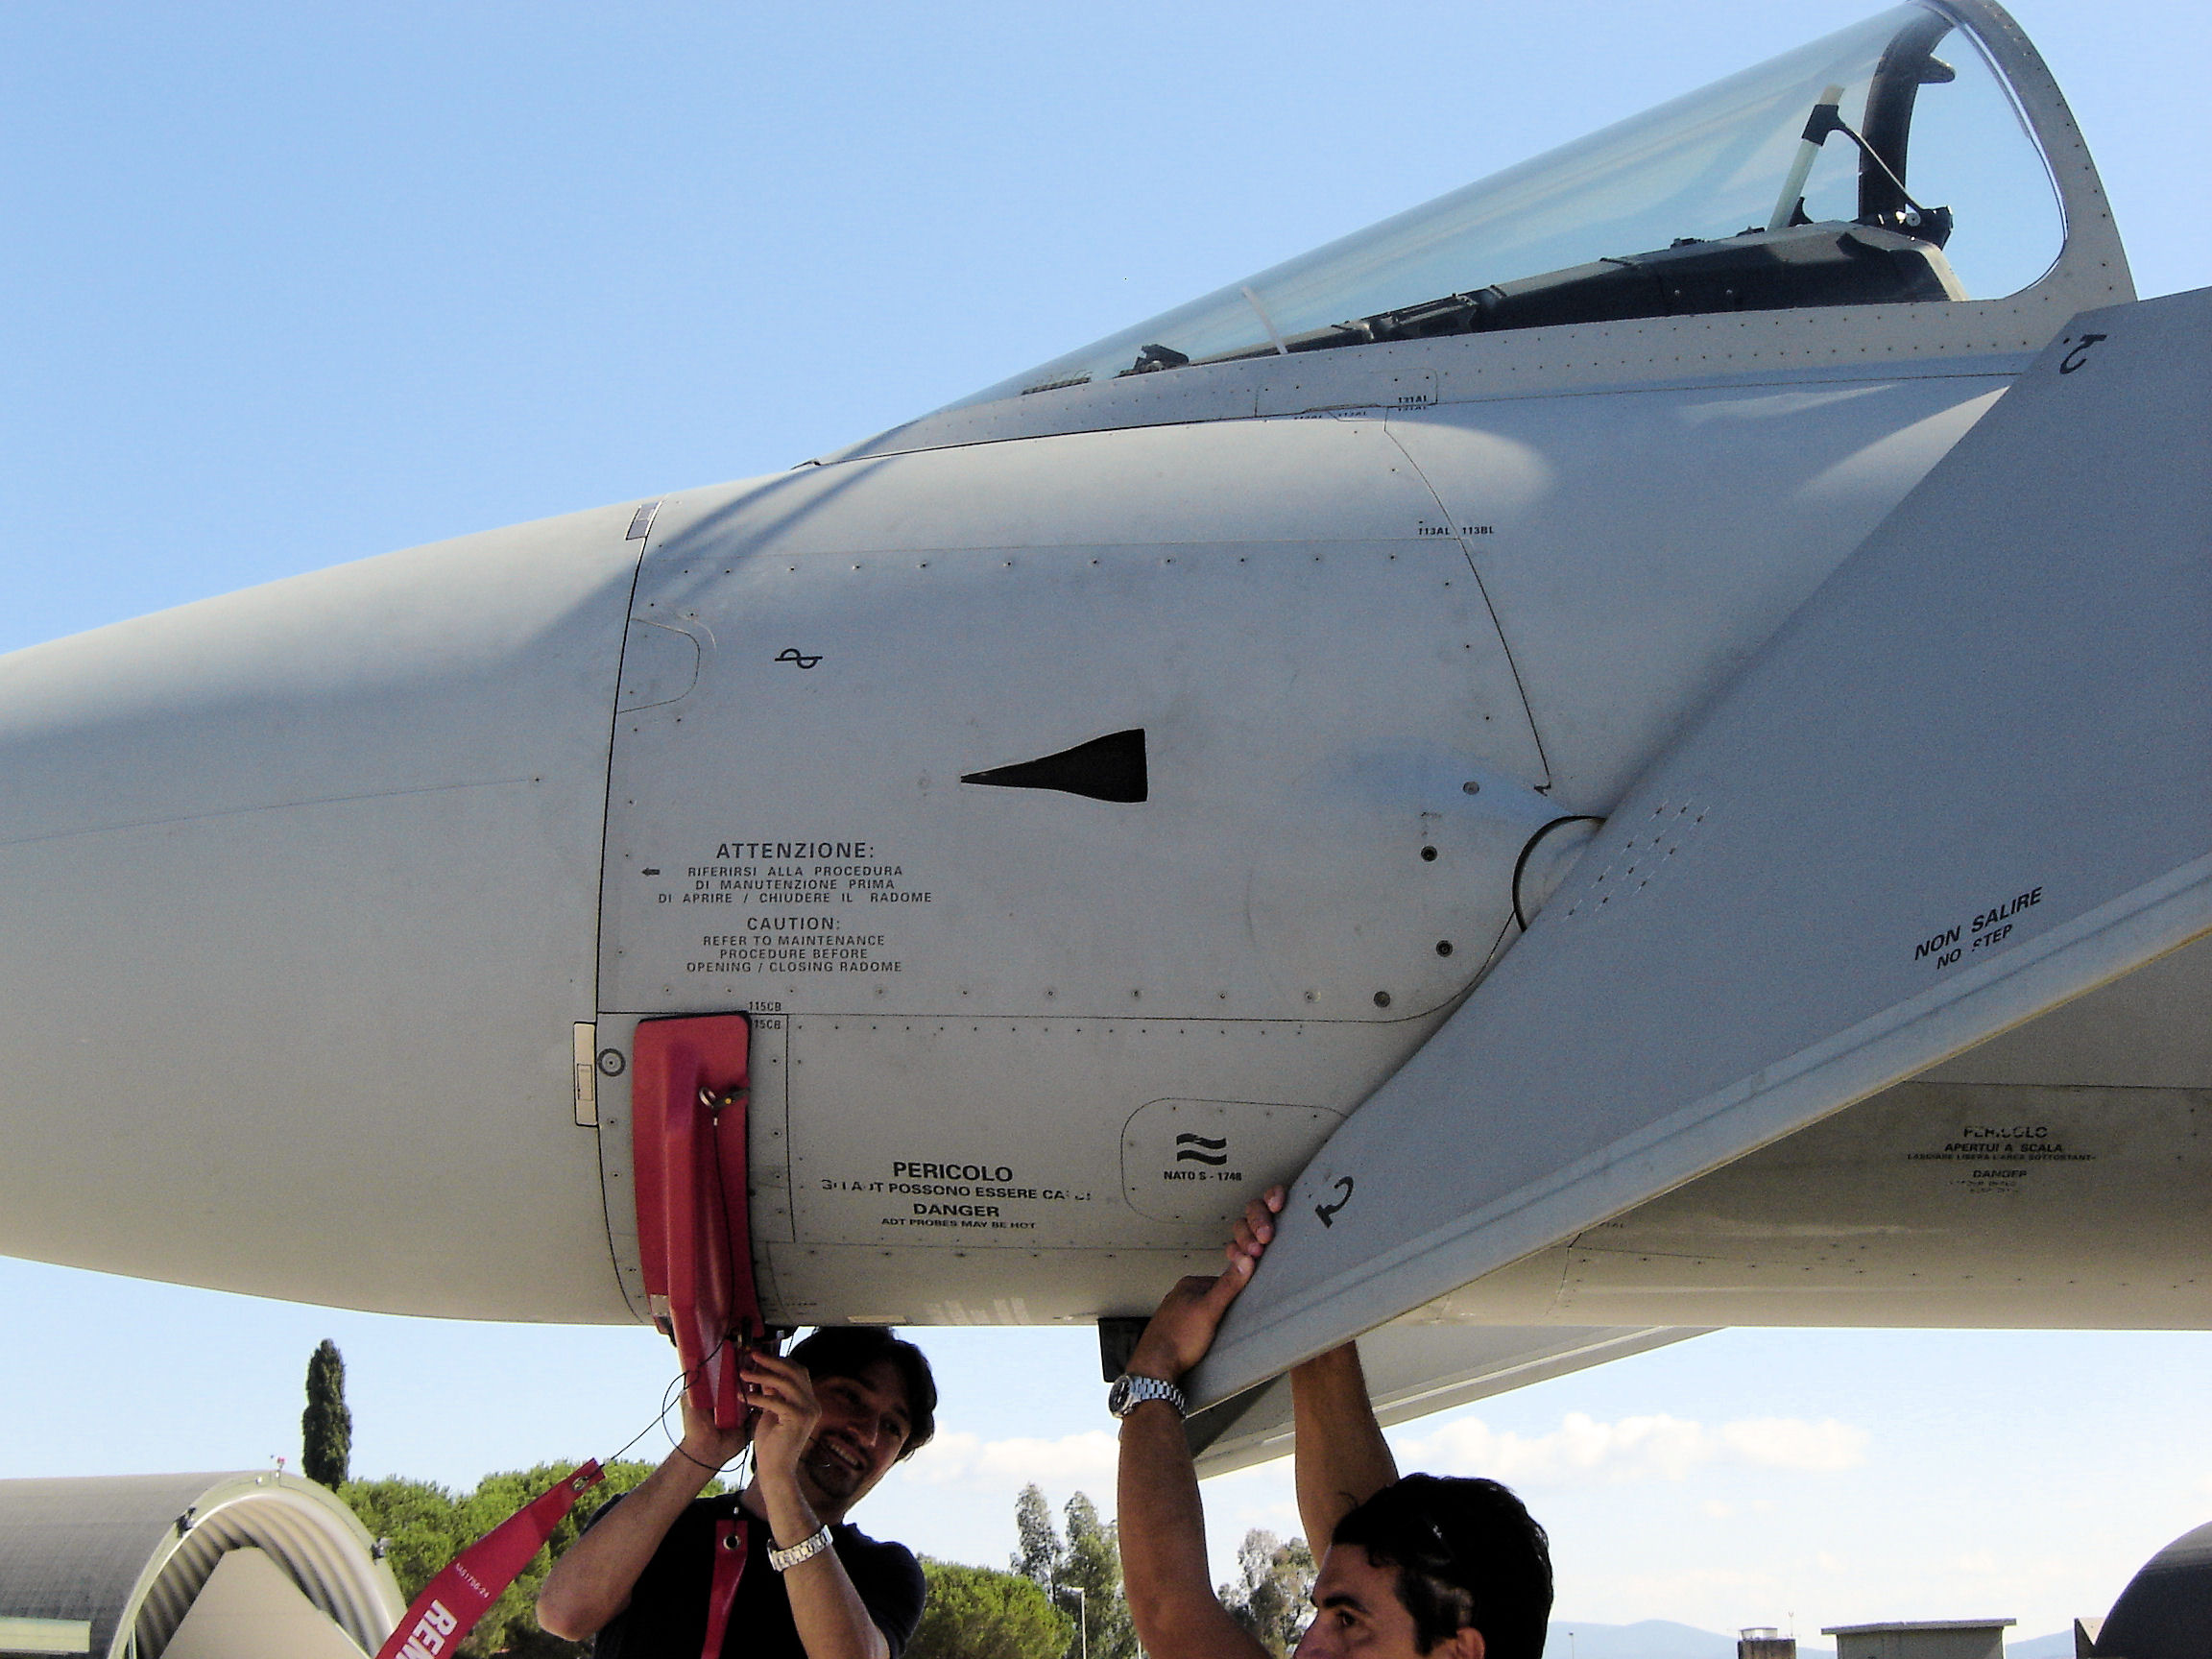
(964, 1459)
(1633, 1449)
(1820, 1448)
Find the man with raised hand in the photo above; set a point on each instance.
(772, 1572)
(1423, 1565)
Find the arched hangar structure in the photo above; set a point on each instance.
(239, 1566)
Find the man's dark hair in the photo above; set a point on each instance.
(1467, 1553)
(855, 1350)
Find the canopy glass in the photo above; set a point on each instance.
(1887, 163)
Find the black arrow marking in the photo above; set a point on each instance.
(1109, 768)
(2075, 358)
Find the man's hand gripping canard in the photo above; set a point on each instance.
(1184, 1327)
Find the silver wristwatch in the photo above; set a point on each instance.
(806, 1550)
(1130, 1392)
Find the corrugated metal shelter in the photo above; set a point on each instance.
(128, 1554)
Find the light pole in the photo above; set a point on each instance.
(1082, 1619)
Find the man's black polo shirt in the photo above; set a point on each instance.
(666, 1617)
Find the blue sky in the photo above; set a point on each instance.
(286, 285)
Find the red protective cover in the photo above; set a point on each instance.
(695, 1235)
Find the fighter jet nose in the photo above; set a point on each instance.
(301, 886)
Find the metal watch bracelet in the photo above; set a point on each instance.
(806, 1550)
(1130, 1392)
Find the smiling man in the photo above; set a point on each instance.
(772, 1572)
(1425, 1565)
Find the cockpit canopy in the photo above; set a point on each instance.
(1884, 163)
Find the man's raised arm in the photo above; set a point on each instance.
(592, 1581)
(1162, 1527)
(1341, 1458)
(833, 1620)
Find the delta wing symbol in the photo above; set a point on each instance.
(1970, 781)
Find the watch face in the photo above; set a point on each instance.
(1130, 1392)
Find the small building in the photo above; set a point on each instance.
(247, 1566)
(1921, 1639)
(1764, 1641)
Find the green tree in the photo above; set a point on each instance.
(425, 1527)
(326, 1425)
(1272, 1600)
(1093, 1565)
(1040, 1554)
(973, 1613)
(414, 1522)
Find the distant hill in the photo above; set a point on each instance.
(1664, 1639)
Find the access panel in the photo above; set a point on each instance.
(1029, 785)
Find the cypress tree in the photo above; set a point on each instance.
(326, 1425)
(1042, 1553)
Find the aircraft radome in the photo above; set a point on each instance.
(1639, 731)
